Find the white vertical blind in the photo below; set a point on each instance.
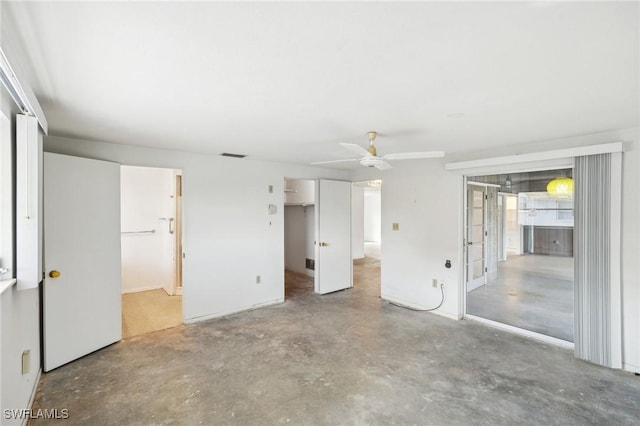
(596, 311)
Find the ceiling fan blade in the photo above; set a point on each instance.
(383, 165)
(335, 161)
(357, 149)
(413, 155)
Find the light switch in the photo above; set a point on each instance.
(273, 209)
(270, 189)
(395, 226)
(26, 361)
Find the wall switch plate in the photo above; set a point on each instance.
(258, 279)
(273, 209)
(26, 361)
(270, 189)
(395, 226)
(434, 282)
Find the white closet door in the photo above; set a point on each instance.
(334, 270)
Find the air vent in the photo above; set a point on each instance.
(227, 154)
(310, 264)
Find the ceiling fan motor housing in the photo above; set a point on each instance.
(371, 161)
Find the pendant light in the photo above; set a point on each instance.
(560, 187)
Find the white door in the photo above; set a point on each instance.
(333, 269)
(476, 232)
(82, 306)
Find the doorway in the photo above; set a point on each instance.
(299, 235)
(151, 249)
(366, 210)
(519, 251)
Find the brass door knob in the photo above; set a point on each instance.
(54, 274)
(323, 244)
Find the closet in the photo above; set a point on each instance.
(299, 225)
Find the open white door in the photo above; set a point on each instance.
(334, 269)
(476, 232)
(82, 306)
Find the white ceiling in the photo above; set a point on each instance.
(287, 81)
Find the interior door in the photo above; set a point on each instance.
(334, 267)
(476, 233)
(81, 300)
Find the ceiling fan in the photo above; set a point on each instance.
(369, 157)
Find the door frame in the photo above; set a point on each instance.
(178, 228)
(484, 236)
(358, 183)
(463, 251)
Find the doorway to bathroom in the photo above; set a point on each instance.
(151, 249)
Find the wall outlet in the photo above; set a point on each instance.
(258, 279)
(395, 226)
(434, 282)
(270, 189)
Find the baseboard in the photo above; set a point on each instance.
(32, 398)
(631, 368)
(138, 290)
(236, 311)
(419, 307)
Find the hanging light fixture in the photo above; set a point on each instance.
(560, 187)
(507, 182)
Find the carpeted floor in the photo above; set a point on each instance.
(147, 311)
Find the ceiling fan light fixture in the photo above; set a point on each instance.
(371, 161)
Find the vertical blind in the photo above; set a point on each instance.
(594, 308)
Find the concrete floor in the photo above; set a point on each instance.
(532, 292)
(346, 358)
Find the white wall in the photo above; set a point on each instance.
(357, 222)
(294, 238)
(426, 201)
(19, 316)
(299, 234)
(310, 232)
(148, 260)
(372, 214)
(19, 310)
(631, 250)
(229, 237)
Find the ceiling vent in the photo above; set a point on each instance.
(227, 154)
